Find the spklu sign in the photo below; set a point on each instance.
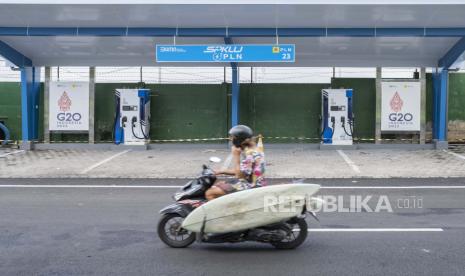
(226, 53)
(69, 106)
(400, 106)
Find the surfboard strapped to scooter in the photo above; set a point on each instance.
(272, 214)
(250, 208)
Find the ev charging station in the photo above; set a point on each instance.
(337, 117)
(36, 39)
(132, 120)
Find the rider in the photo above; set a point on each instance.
(248, 165)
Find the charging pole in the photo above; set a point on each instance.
(378, 106)
(423, 106)
(46, 104)
(235, 96)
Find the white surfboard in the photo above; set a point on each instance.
(250, 208)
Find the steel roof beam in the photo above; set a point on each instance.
(455, 53)
(13, 55)
(233, 32)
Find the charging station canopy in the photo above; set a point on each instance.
(325, 33)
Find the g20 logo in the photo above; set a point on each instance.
(400, 117)
(69, 117)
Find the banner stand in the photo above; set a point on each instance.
(68, 105)
(417, 132)
(90, 114)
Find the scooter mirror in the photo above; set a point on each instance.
(215, 159)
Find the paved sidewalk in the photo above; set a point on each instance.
(184, 161)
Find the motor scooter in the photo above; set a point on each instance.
(287, 234)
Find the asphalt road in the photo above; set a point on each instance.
(100, 230)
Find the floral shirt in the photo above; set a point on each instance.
(253, 167)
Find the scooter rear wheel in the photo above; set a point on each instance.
(298, 235)
(170, 231)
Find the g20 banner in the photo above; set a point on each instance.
(69, 106)
(226, 53)
(400, 106)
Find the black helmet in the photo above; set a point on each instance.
(239, 134)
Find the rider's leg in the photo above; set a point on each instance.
(214, 192)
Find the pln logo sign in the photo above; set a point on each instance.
(64, 102)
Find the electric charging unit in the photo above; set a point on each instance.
(132, 120)
(337, 118)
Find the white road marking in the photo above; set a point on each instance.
(93, 186)
(11, 153)
(455, 154)
(376, 230)
(348, 161)
(177, 186)
(393, 187)
(103, 161)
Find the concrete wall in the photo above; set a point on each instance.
(202, 111)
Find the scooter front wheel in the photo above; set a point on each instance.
(297, 236)
(170, 231)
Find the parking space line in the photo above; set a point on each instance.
(376, 230)
(104, 161)
(349, 161)
(455, 154)
(11, 153)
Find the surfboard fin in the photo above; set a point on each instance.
(304, 210)
(314, 216)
